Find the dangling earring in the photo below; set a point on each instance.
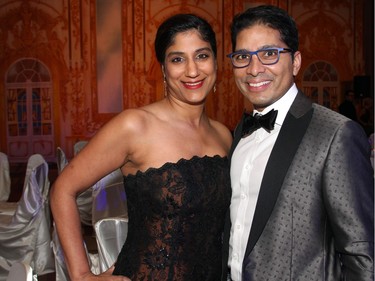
(164, 81)
(215, 88)
(165, 86)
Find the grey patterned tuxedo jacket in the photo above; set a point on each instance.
(314, 215)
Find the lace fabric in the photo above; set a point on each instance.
(176, 219)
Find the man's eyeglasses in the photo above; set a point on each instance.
(269, 56)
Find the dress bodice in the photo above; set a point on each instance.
(176, 219)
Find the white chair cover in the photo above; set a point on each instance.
(84, 200)
(20, 271)
(26, 237)
(62, 273)
(111, 234)
(109, 199)
(7, 209)
(60, 266)
(4, 177)
(61, 160)
(78, 146)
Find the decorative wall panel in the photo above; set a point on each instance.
(66, 36)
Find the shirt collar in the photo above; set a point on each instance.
(282, 105)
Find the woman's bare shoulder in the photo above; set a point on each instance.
(133, 119)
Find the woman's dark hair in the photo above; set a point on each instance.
(176, 24)
(270, 16)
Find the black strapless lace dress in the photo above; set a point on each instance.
(176, 220)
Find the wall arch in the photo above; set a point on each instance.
(28, 112)
(320, 82)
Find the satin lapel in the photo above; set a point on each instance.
(290, 136)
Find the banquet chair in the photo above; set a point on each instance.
(84, 200)
(60, 266)
(109, 217)
(4, 177)
(21, 271)
(61, 160)
(78, 146)
(25, 235)
(62, 273)
(109, 198)
(110, 234)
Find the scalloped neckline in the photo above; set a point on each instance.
(171, 164)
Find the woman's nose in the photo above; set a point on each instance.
(192, 69)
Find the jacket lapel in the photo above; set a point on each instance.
(290, 136)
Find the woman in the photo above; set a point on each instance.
(176, 173)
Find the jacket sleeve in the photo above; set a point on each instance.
(349, 199)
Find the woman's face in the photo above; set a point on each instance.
(189, 68)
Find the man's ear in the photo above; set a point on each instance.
(297, 61)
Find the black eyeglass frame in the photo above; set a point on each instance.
(279, 51)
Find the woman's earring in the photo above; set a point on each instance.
(215, 88)
(165, 86)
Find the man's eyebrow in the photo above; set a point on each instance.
(261, 48)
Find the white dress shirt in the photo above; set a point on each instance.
(248, 163)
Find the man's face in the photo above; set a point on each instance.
(262, 84)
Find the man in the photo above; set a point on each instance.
(302, 188)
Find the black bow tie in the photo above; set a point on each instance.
(252, 123)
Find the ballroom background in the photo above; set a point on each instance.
(68, 66)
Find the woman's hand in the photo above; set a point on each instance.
(109, 272)
(105, 276)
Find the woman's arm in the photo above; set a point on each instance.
(106, 152)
